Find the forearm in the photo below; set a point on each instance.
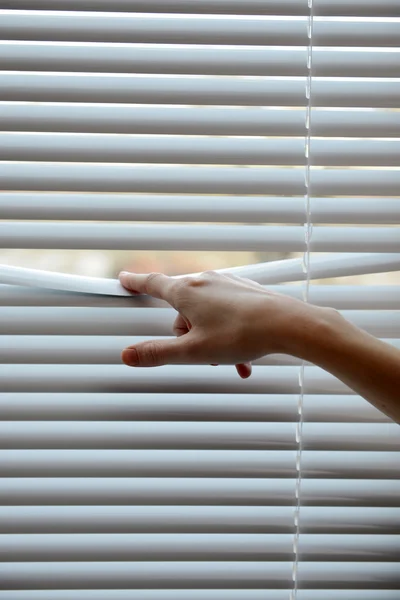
(367, 365)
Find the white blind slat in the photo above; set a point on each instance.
(192, 407)
(217, 120)
(141, 28)
(132, 58)
(99, 177)
(273, 7)
(195, 149)
(157, 149)
(128, 58)
(167, 464)
(70, 87)
(339, 8)
(167, 120)
(196, 237)
(148, 491)
(246, 209)
(196, 547)
(193, 435)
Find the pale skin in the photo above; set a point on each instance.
(224, 319)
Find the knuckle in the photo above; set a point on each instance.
(209, 273)
(151, 354)
(151, 277)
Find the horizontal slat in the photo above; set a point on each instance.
(204, 491)
(186, 594)
(214, 463)
(202, 90)
(179, 237)
(341, 409)
(219, 547)
(181, 29)
(327, 593)
(54, 87)
(346, 436)
(331, 153)
(148, 322)
(356, 465)
(145, 28)
(355, 239)
(149, 407)
(179, 379)
(132, 58)
(195, 149)
(351, 62)
(358, 182)
(195, 519)
(180, 575)
(183, 120)
(349, 297)
(353, 297)
(193, 435)
(266, 91)
(86, 321)
(159, 435)
(347, 519)
(160, 407)
(348, 547)
(165, 491)
(364, 31)
(115, 378)
(353, 210)
(150, 179)
(219, 464)
(330, 464)
(258, 7)
(126, 148)
(146, 575)
(135, 207)
(125, 118)
(112, 594)
(349, 92)
(210, 209)
(197, 180)
(355, 8)
(196, 237)
(351, 122)
(170, 547)
(349, 574)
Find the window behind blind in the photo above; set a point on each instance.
(225, 126)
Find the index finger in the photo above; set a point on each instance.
(156, 285)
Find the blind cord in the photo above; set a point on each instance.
(306, 269)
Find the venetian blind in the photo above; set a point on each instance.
(196, 125)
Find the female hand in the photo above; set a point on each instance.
(223, 319)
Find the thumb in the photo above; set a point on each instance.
(155, 353)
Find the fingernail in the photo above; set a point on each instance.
(123, 274)
(130, 357)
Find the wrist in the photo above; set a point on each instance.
(315, 333)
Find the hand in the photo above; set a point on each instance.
(223, 319)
